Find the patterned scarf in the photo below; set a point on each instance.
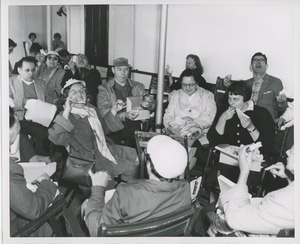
(96, 126)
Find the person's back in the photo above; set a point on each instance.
(142, 199)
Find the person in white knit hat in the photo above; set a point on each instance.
(138, 200)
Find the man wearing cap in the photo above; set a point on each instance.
(138, 200)
(52, 74)
(111, 102)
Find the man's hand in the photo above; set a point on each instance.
(39, 158)
(38, 180)
(245, 163)
(277, 170)
(99, 178)
(131, 115)
(281, 97)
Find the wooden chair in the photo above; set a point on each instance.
(179, 223)
(61, 219)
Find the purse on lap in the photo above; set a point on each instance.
(76, 170)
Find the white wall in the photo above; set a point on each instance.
(58, 23)
(224, 36)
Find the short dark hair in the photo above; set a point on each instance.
(63, 53)
(35, 48)
(28, 59)
(241, 88)
(31, 34)
(11, 43)
(199, 66)
(259, 54)
(57, 35)
(188, 73)
(12, 119)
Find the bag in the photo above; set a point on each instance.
(76, 171)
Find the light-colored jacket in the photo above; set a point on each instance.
(200, 106)
(53, 83)
(266, 215)
(16, 93)
(107, 98)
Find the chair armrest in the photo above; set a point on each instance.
(33, 225)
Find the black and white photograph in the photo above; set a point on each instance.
(150, 121)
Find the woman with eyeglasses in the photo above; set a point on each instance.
(80, 69)
(52, 73)
(191, 109)
(193, 63)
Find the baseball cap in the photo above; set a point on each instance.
(71, 82)
(120, 62)
(168, 156)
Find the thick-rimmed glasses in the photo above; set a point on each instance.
(188, 85)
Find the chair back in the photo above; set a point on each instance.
(142, 138)
(221, 94)
(179, 223)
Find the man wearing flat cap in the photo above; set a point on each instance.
(111, 102)
(143, 199)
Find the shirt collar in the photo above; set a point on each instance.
(250, 106)
(27, 82)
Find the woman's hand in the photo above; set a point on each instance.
(227, 80)
(277, 170)
(228, 114)
(68, 107)
(246, 122)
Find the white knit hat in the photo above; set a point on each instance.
(168, 156)
(71, 82)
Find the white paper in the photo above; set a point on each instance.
(109, 194)
(227, 157)
(33, 170)
(134, 104)
(40, 112)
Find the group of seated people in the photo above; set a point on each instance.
(92, 123)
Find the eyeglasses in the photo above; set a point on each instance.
(188, 85)
(261, 60)
(75, 92)
(52, 58)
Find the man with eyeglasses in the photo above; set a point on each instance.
(191, 109)
(52, 73)
(266, 89)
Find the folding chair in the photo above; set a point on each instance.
(179, 223)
